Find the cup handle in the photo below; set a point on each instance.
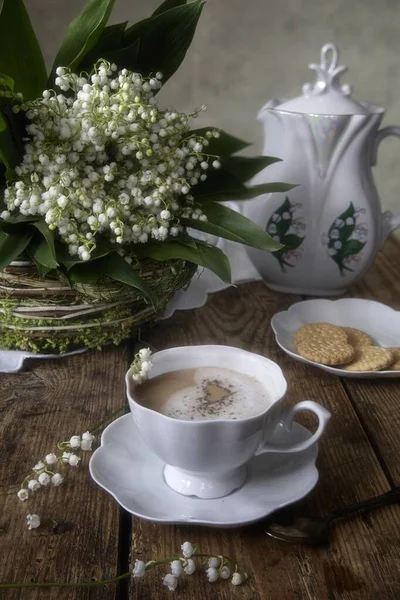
(323, 418)
(390, 222)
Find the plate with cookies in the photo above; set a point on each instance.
(350, 337)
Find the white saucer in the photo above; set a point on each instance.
(379, 321)
(130, 472)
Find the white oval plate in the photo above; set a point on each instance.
(379, 321)
(128, 470)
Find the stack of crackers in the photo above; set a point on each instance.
(345, 347)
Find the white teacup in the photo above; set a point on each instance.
(207, 458)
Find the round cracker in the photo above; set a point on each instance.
(320, 331)
(356, 337)
(370, 358)
(395, 366)
(325, 351)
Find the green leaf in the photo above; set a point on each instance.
(199, 253)
(126, 57)
(39, 250)
(167, 5)
(164, 38)
(49, 242)
(7, 81)
(115, 267)
(9, 155)
(103, 247)
(244, 168)
(20, 54)
(243, 192)
(229, 224)
(224, 145)
(11, 246)
(347, 230)
(350, 248)
(109, 41)
(83, 34)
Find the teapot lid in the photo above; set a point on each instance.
(327, 96)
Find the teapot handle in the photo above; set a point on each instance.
(390, 222)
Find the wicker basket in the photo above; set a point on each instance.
(47, 315)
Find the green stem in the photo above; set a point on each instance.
(77, 584)
(107, 419)
(104, 581)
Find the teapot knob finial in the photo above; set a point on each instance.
(328, 73)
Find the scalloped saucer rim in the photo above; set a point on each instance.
(133, 475)
(361, 313)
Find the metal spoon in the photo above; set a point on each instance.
(317, 531)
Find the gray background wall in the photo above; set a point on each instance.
(247, 51)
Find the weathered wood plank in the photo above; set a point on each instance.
(377, 402)
(38, 408)
(363, 561)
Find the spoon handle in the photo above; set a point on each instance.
(391, 497)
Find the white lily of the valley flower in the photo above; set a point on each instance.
(39, 466)
(237, 579)
(57, 479)
(212, 574)
(187, 549)
(33, 521)
(75, 442)
(65, 457)
(145, 353)
(225, 572)
(88, 436)
(139, 568)
(23, 494)
(170, 581)
(44, 479)
(190, 566)
(86, 445)
(213, 562)
(73, 460)
(176, 568)
(51, 459)
(33, 485)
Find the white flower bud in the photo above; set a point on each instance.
(190, 566)
(73, 460)
(187, 549)
(23, 494)
(44, 479)
(170, 581)
(225, 572)
(33, 485)
(176, 568)
(57, 479)
(212, 574)
(139, 569)
(33, 521)
(237, 579)
(75, 442)
(51, 459)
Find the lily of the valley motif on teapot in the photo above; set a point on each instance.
(331, 224)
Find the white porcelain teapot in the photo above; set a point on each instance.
(331, 224)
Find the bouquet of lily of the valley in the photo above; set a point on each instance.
(107, 198)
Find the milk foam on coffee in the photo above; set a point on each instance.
(204, 393)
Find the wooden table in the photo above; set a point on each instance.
(359, 458)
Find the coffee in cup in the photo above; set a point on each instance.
(204, 393)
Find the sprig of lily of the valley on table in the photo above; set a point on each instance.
(100, 101)
(46, 473)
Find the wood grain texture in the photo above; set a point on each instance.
(377, 402)
(363, 561)
(45, 404)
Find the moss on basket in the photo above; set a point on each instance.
(55, 321)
